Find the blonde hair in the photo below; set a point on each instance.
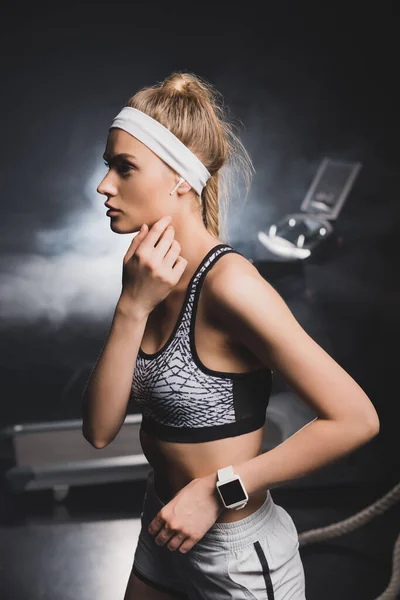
(192, 109)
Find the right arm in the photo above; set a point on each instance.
(106, 395)
(152, 267)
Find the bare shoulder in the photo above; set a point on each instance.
(229, 274)
(232, 264)
(257, 316)
(231, 269)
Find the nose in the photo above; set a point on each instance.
(106, 187)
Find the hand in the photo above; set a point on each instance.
(182, 522)
(152, 265)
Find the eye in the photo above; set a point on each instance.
(123, 168)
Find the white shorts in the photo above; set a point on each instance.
(255, 558)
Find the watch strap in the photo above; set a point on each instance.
(225, 473)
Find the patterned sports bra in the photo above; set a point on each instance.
(182, 400)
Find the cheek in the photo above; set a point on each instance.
(156, 184)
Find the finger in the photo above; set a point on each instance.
(155, 525)
(139, 237)
(166, 239)
(155, 232)
(172, 254)
(163, 537)
(175, 542)
(186, 546)
(179, 267)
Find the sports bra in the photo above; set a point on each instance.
(182, 400)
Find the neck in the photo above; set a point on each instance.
(195, 242)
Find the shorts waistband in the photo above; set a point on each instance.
(235, 534)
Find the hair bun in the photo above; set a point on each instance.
(181, 84)
(194, 111)
(186, 84)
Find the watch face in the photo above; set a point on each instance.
(232, 492)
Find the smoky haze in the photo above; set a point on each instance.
(296, 93)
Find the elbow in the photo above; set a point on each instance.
(366, 421)
(373, 422)
(362, 428)
(98, 444)
(375, 426)
(371, 426)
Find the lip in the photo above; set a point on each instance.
(112, 212)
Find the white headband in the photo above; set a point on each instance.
(165, 144)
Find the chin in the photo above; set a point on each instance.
(118, 227)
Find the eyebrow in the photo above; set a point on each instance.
(118, 156)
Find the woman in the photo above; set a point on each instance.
(200, 365)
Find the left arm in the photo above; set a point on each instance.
(248, 305)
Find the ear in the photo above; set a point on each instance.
(184, 188)
(181, 186)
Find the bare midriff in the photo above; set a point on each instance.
(175, 464)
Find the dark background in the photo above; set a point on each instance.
(303, 82)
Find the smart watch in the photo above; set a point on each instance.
(231, 489)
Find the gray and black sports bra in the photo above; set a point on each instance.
(182, 400)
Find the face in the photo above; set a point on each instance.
(138, 183)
